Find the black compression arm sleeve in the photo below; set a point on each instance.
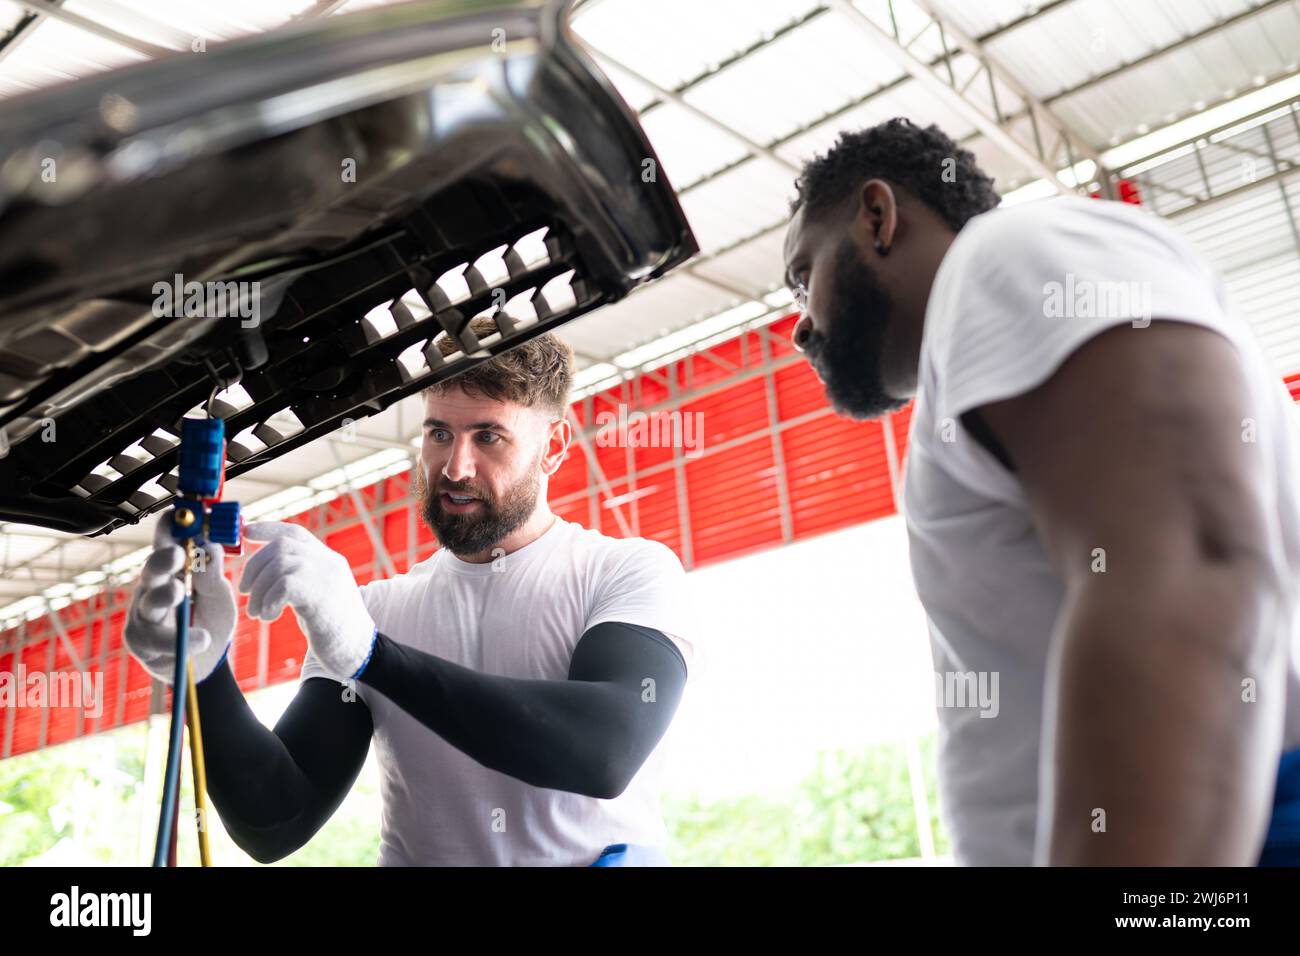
(275, 789)
(588, 734)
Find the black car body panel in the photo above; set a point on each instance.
(330, 187)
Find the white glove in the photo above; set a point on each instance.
(296, 568)
(150, 631)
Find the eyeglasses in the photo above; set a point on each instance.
(800, 293)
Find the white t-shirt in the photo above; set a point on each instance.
(995, 327)
(518, 616)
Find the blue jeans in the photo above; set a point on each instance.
(1282, 845)
(630, 854)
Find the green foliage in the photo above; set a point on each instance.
(72, 799)
(83, 803)
(29, 788)
(855, 807)
(750, 831)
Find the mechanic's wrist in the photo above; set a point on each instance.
(344, 658)
(209, 666)
(370, 653)
(205, 663)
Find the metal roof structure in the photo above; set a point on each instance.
(1197, 102)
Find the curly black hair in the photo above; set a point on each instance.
(925, 162)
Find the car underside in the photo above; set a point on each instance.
(282, 230)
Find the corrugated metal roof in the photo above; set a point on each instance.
(1229, 61)
(688, 147)
(809, 73)
(53, 52)
(1252, 236)
(979, 19)
(674, 41)
(753, 197)
(1074, 42)
(755, 265)
(791, 74)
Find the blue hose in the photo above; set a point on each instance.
(171, 783)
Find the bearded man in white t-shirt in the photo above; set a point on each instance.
(1100, 494)
(517, 684)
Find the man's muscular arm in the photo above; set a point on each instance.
(275, 788)
(1135, 446)
(588, 734)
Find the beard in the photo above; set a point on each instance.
(849, 358)
(466, 535)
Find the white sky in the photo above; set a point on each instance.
(818, 645)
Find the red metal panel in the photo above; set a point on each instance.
(137, 692)
(112, 689)
(64, 721)
(354, 544)
(609, 409)
(734, 508)
(393, 525)
(902, 420)
(606, 523)
(723, 361)
(652, 389)
(27, 726)
(243, 650)
(576, 511)
(734, 412)
(656, 509)
(121, 599)
(286, 648)
(73, 619)
(571, 476)
(8, 665)
(647, 456)
(837, 474)
(27, 720)
(779, 336)
(798, 391)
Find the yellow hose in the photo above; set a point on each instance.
(196, 761)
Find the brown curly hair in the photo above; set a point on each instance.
(537, 373)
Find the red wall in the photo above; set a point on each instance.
(721, 505)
